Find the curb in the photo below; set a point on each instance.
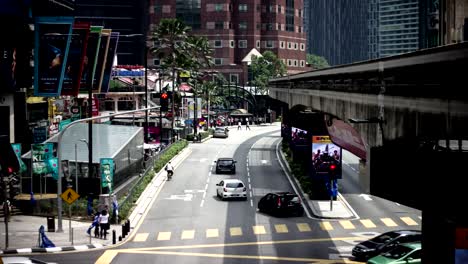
(49, 250)
(296, 184)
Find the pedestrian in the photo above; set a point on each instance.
(95, 225)
(239, 125)
(247, 124)
(104, 223)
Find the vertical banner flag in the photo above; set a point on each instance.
(107, 173)
(41, 153)
(95, 107)
(50, 54)
(94, 39)
(101, 60)
(114, 39)
(17, 149)
(76, 59)
(52, 165)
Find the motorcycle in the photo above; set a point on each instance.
(169, 175)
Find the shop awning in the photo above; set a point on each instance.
(345, 136)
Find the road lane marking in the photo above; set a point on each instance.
(388, 222)
(259, 230)
(188, 234)
(202, 202)
(212, 232)
(368, 223)
(106, 257)
(141, 237)
(326, 226)
(281, 228)
(206, 186)
(303, 227)
(204, 195)
(250, 187)
(164, 236)
(409, 221)
(248, 179)
(250, 192)
(251, 203)
(346, 224)
(235, 231)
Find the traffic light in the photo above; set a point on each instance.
(8, 161)
(164, 101)
(332, 170)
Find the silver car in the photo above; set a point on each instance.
(221, 132)
(231, 188)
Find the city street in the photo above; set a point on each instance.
(188, 223)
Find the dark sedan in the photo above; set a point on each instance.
(225, 165)
(281, 203)
(384, 243)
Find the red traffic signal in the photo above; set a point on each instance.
(164, 96)
(332, 167)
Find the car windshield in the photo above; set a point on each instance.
(292, 198)
(397, 252)
(384, 238)
(225, 162)
(220, 129)
(234, 185)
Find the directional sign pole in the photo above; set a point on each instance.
(69, 224)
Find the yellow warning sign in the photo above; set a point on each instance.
(69, 196)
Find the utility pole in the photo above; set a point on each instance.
(173, 104)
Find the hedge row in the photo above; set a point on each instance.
(298, 169)
(204, 134)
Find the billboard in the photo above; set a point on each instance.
(76, 57)
(89, 63)
(50, 54)
(114, 39)
(101, 59)
(299, 136)
(325, 154)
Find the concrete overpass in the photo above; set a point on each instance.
(411, 111)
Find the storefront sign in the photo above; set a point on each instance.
(101, 59)
(75, 113)
(39, 134)
(95, 107)
(94, 39)
(114, 39)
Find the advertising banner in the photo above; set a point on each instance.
(52, 165)
(41, 153)
(101, 59)
(324, 155)
(50, 54)
(114, 39)
(298, 136)
(75, 113)
(95, 107)
(76, 58)
(107, 173)
(17, 149)
(89, 64)
(40, 134)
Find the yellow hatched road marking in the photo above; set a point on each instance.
(346, 224)
(388, 222)
(259, 230)
(303, 227)
(281, 228)
(235, 231)
(326, 226)
(212, 232)
(188, 234)
(368, 223)
(409, 221)
(164, 236)
(141, 237)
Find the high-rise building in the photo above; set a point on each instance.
(394, 27)
(337, 30)
(234, 28)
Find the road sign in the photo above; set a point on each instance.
(69, 196)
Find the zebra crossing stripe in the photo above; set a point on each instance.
(303, 227)
(346, 224)
(141, 237)
(235, 231)
(409, 221)
(281, 229)
(164, 235)
(326, 226)
(188, 234)
(368, 223)
(212, 232)
(388, 222)
(259, 230)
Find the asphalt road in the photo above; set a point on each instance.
(187, 223)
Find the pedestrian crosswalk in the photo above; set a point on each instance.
(238, 231)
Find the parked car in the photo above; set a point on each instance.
(281, 203)
(225, 165)
(231, 188)
(384, 243)
(409, 253)
(221, 132)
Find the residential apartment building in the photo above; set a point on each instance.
(234, 28)
(337, 30)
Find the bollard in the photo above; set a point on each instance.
(120, 238)
(113, 237)
(123, 230)
(72, 235)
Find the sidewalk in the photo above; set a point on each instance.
(317, 208)
(23, 230)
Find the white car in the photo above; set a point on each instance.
(231, 188)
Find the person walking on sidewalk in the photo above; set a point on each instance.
(95, 225)
(247, 123)
(104, 223)
(239, 125)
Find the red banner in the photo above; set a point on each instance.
(345, 136)
(95, 107)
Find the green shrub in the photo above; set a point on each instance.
(298, 169)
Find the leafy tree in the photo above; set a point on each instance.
(317, 62)
(265, 67)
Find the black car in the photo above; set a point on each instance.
(281, 203)
(225, 165)
(384, 243)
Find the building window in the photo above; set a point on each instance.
(219, 25)
(156, 62)
(290, 15)
(289, 62)
(289, 45)
(234, 78)
(295, 62)
(278, 26)
(210, 25)
(243, 25)
(242, 7)
(302, 63)
(258, 26)
(272, 9)
(269, 26)
(232, 44)
(218, 61)
(269, 44)
(258, 8)
(295, 45)
(299, 29)
(218, 7)
(242, 43)
(281, 44)
(156, 44)
(302, 46)
(258, 44)
(279, 9)
(218, 44)
(157, 9)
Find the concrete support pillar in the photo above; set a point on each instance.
(364, 174)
